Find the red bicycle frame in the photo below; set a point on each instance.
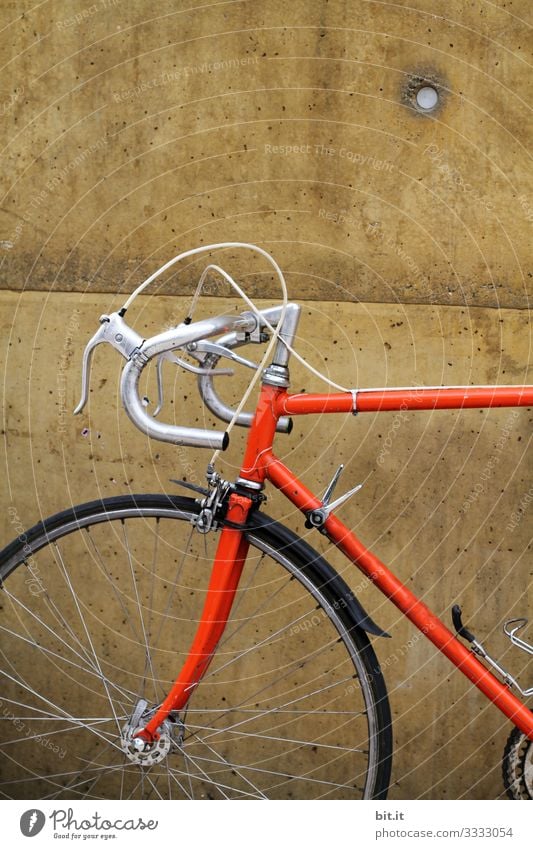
(260, 465)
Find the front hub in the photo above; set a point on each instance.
(143, 753)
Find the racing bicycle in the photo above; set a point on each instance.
(155, 645)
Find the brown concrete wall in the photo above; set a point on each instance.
(132, 131)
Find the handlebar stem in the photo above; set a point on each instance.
(232, 340)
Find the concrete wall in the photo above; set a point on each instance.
(133, 131)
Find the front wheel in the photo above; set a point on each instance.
(99, 607)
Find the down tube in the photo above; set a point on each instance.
(415, 610)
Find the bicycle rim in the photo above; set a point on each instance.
(100, 604)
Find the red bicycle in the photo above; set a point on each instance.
(161, 646)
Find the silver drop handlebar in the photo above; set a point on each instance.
(237, 330)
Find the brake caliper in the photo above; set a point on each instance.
(220, 490)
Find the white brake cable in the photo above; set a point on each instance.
(267, 324)
(274, 330)
(203, 249)
(266, 355)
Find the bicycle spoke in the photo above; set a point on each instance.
(63, 622)
(275, 681)
(276, 709)
(243, 734)
(49, 717)
(255, 647)
(153, 786)
(151, 602)
(220, 787)
(62, 712)
(260, 795)
(80, 777)
(288, 775)
(85, 628)
(180, 785)
(286, 741)
(43, 625)
(85, 670)
(175, 583)
(185, 719)
(65, 730)
(204, 778)
(118, 596)
(148, 656)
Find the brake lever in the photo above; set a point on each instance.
(114, 330)
(203, 346)
(167, 355)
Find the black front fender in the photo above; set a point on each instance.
(312, 563)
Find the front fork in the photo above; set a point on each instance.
(227, 569)
(229, 560)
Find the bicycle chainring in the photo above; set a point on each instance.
(517, 766)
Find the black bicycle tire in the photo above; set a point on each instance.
(308, 563)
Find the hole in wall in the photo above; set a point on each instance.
(424, 92)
